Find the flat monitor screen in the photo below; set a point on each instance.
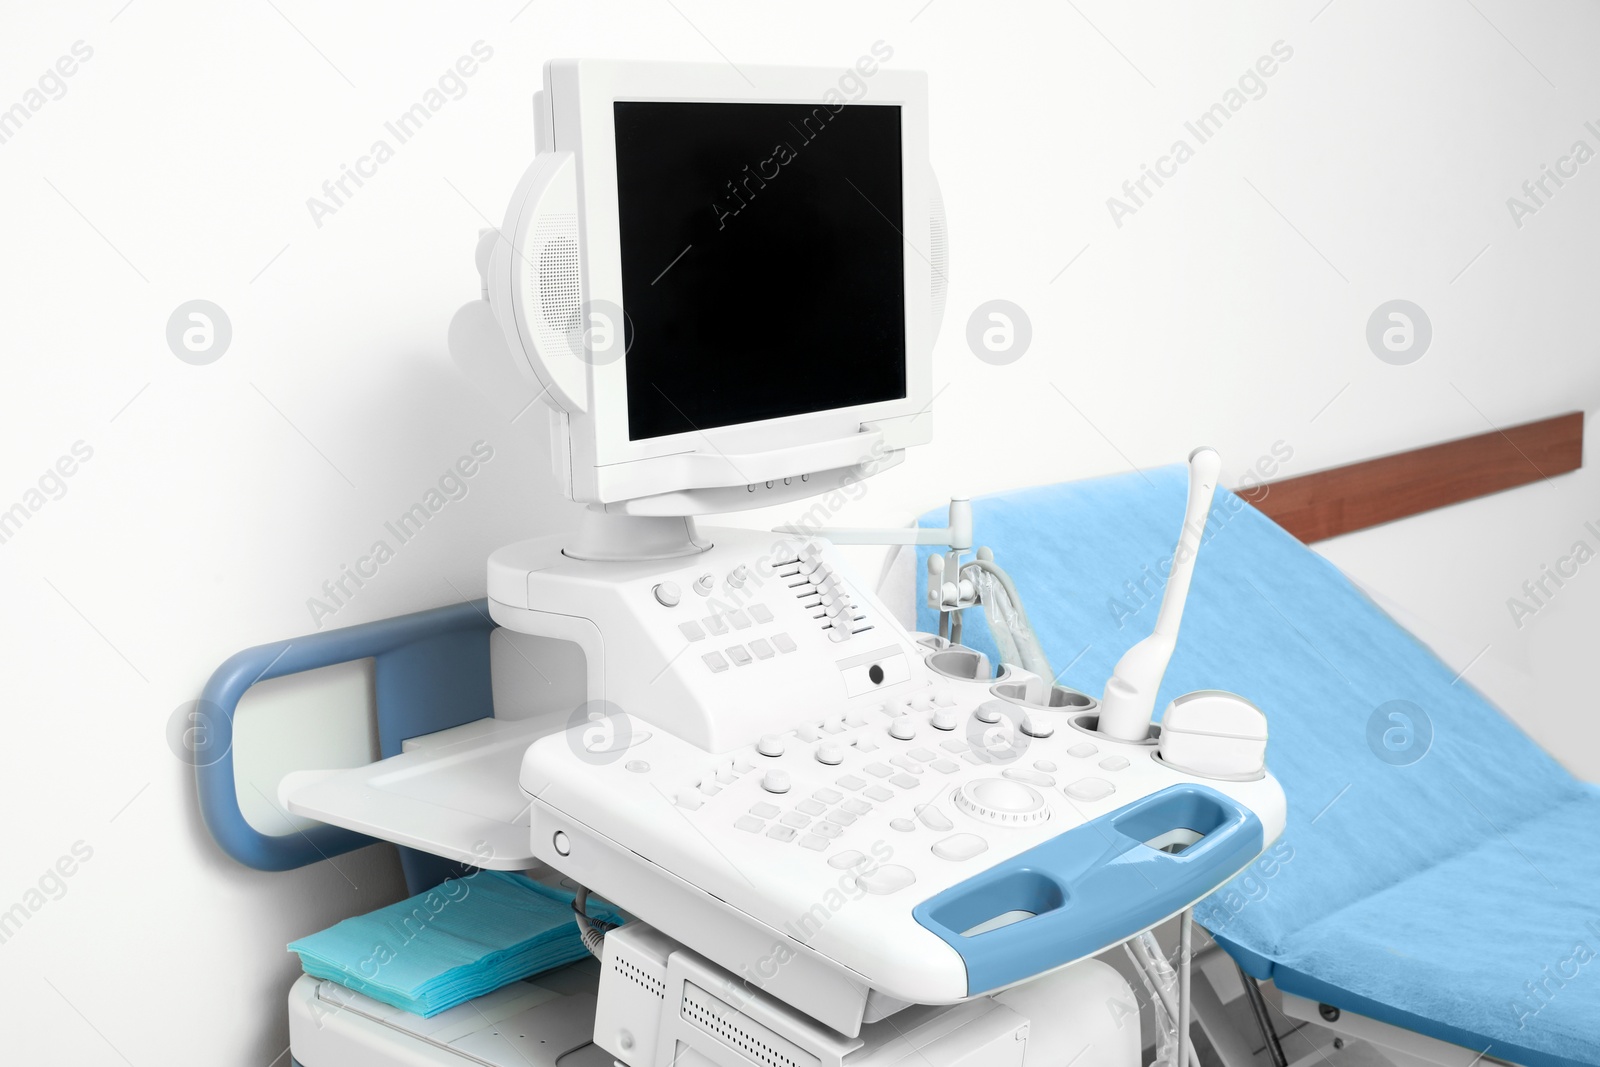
(763, 273)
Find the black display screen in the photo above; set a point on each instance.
(763, 273)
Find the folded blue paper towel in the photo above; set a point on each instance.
(461, 939)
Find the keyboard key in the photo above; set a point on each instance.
(827, 829)
(760, 613)
(783, 642)
(850, 781)
(905, 826)
(1114, 763)
(740, 655)
(841, 818)
(781, 833)
(828, 796)
(960, 847)
(692, 631)
(1090, 789)
(904, 781)
(749, 823)
(795, 819)
(952, 745)
(716, 624)
(1019, 774)
(813, 842)
(933, 818)
(764, 810)
(945, 766)
(715, 661)
(811, 807)
(922, 754)
(878, 793)
(886, 879)
(760, 647)
(740, 620)
(856, 807)
(879, 770)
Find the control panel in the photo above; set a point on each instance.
(894, 826)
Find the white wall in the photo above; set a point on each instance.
(1231, 308)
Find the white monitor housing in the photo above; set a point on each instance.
(767, 243)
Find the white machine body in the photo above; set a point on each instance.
(784, 800)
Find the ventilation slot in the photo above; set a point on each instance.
(640, 977)
(557, 290)
(739, 1031)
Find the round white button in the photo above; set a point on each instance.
(990, 711)
(944, 719)
(668, 594)
(562, 845)
(738, 576)
(704, 584)
(770, 745)
(775, 781)
(1037, 725)
(831, 753)
(903, 729)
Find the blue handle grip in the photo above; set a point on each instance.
(1093, 886)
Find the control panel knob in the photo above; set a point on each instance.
(903, 728)
(943, 698)
(944, 719)
(668, 594)
(840, 630)
(990, 711)
(770, 745)
(704, 584)
(831, 753)
(854, 717)
(1002, 802)
(775, 781)
(1036, 725)
(738, 576)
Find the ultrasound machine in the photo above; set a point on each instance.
(838, 842)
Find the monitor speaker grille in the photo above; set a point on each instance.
(938, 256)
(557, 289)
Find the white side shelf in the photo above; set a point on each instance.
(453, 794)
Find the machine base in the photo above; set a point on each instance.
(664, 1005)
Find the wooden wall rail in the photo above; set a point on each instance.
(1344, 499)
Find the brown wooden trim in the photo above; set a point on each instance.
(1343, 499)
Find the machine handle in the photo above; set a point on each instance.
(1093, 886)
(431, 671)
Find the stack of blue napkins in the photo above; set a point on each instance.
(461, 939)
